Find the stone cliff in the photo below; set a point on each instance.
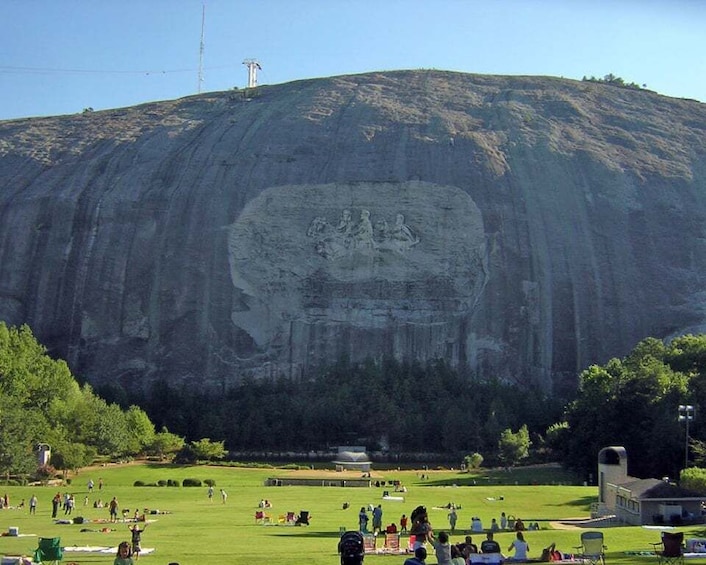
(523, 227)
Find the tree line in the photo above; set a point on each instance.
(634, 402)
(41, 402)
(385, 404)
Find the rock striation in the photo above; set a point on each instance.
(524, 227)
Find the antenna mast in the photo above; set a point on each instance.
(203, 21)
(253, 67)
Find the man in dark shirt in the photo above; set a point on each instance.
(420, 554)
(489, 545)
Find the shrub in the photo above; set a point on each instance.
(693, 479)
(473, 461)
(44, 472)
(172, 483)
(162, 483)
(138, 484)
(210, 482)
(191, 483)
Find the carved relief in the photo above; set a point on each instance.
(319, 267)
(349, 237)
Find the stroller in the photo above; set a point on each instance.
(351, 548)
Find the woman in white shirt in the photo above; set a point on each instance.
(521, 548)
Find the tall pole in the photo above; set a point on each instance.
(686, 414)
(203, 23)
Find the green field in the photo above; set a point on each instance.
(196, 531)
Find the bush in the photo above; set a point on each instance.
(172, 483)
(138, 484)
(473, 461)
(191, 483)
(210, 482)
(162, 483)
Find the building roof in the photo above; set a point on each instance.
(656, 489)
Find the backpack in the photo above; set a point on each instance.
(351, 548)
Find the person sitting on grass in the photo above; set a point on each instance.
(457, 558)
(420, 555)
(489, 545)
(521, 548)
(472, 547)
(442, 549)
(551, 554)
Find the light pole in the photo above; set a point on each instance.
(686, 414)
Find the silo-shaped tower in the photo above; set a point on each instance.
(613, 469)
(43, 454)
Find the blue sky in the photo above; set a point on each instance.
(61, 56)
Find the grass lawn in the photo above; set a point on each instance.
(196, 531)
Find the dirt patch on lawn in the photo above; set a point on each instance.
(567, 524)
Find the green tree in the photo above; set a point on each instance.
(140, 430)
(19, 435)
(70, 456)
(165, 444)
(40, 401)
(557, 438)
(693, 479)
(111, 433)
(28, 374)
(473, 461)
(630, 402)
(514, 446)
(208, 450)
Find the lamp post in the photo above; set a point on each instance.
(686, 414)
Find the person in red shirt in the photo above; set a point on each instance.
(403, 523)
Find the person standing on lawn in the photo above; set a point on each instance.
(377, 519)
(136, 539)
(113, 509)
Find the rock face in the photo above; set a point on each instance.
(523, 227)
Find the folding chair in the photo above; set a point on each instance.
(261, 517)
(672, 552)
(49, 550)
(303, 518)
(410, 543)
(369, 543)
(592, 548)
(392, 543)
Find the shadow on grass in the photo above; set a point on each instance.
(307, 533)
(585, 501)
(503, 478)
